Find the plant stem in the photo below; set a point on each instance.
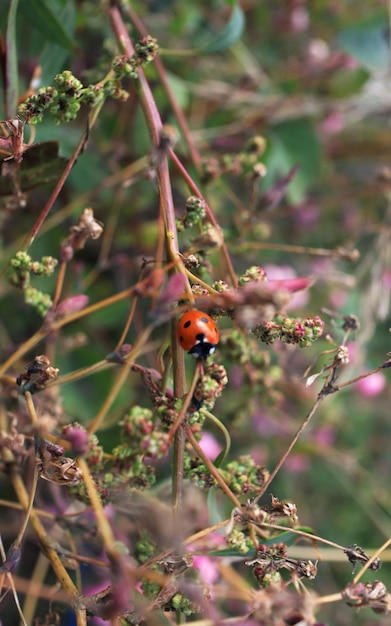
(213, 470)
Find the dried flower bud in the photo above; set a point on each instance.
(211, 238)
(191, 262)
(119, 355)
(87, 228)
(38, 373)
(256, 145)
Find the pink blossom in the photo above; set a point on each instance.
(300, 19)
(210, 445)
(333, 124)
(285, 277)
(207, 568)
(71, 305)
(297, 463)
(324, 436)
(372, 385)
(386, 278)
(337, 298)
(307, 214)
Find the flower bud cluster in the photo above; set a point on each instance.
(65, 99)
(126, 67)
(141, 434)
(195, 213)
(244, 476)
(252, 274)
(210, 385)
(196, 471)
(23, 267)
(290, 330)
(241, 542)
(246, 163)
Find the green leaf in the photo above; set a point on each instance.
(41, 15)
(369, 44)
(294, 143)
(54, 57)
(11, 69)
(231, 33)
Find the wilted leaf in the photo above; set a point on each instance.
(294, 143)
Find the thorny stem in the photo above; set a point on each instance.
(30, 407)
(166, 209)
(355, 380)
(52, 555)
(133, 354)
(82, 373)
(16, 544)
(128, 323)
(186, 542)
(59, 283)
(198, 280)
(96, 503)
(45, 211)
(283, 458)
(57, 324)
(186, 402)
(194, 154)
(82, 200)
(328, 387)
(332, 597)
(191, 184)
(368, 564)
(303, 533)
(327, 252)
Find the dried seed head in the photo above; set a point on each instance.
(38, 373)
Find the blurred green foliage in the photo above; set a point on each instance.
(313, 79)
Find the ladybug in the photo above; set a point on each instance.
(197, 334)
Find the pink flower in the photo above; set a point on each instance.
(386, 278)
(297, 463)
(210, 445)
(285, 277)
(207, 568)
(325, 436)
(71, 305)
(333, 124)
(372, 385)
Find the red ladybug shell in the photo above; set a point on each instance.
(197, 334)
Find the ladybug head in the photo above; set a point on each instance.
(202, 349)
